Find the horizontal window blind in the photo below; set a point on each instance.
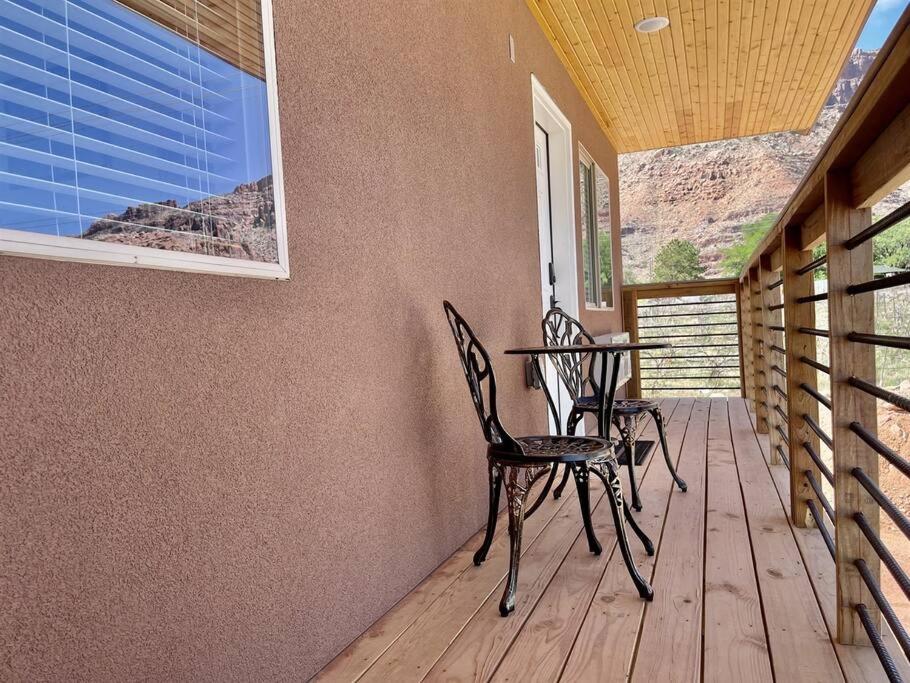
(114, 127)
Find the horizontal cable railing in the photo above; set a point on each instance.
(795, 323)
(812, 298)
(702, 329)
(823, 400)
(811, 362)
(783, 456)
(813, 265)
(826, 331)
(819, 463)
(891, 397)
(894, 218)
(819, 432)
(819, 494)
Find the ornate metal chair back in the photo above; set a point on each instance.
(574, 369)
(478, 371)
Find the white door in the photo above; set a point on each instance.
(552, 282)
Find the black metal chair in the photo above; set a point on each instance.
(576, 372)
(518, 462)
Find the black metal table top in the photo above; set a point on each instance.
(587, 348)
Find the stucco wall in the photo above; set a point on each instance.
(208, 477)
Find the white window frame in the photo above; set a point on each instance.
(35, 245)
(585, 158)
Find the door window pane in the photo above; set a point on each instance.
(596, 234)
(588, 233)
(604, 236)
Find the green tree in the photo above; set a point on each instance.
(737, 255)
(678, 260)
(892, 247)
(605, 247)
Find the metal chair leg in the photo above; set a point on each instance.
(580, 470)
(557, 492)
(574, 419)
(495, 487)
(628, 434)
(516, 495)
(644, 588)
(551, 476)
(642, 536)
(659, 420)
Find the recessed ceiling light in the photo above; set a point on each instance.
(652, 24)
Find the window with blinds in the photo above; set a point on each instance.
(140, 126)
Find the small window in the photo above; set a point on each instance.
(141, 133)
(596, 235)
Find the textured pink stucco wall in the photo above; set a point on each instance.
(218, 478)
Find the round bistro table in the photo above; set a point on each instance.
(606, 393)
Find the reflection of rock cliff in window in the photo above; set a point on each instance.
(115, 127)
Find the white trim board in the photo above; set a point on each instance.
(585, 157)
(561, 231)
(562, 201)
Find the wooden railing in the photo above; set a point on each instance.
(701, 320)
(813, 383)
(805, 354)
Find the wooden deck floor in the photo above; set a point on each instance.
(740, 595)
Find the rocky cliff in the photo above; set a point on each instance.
(705, 193)
(238, 224)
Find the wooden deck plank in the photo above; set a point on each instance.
(360, 655)
(733, 597)
(859, 664)
(736, 648)
(541, 649)
(800, 645)
(670, 644)
(605, 644)
(481, 645)
(434, 631)
(458, 599)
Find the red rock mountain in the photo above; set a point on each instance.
(238, 224)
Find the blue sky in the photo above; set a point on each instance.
(881, 21)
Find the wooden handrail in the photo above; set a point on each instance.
(866, 157)
(652, 290)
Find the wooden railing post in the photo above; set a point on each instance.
(766, 278)
(759, 358)
(848, 314)
(799, 403)
(630, 319)
(746, 371)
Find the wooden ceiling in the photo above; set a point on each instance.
(722, 69)
(232, 29)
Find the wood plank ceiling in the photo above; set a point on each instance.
(722, 69)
